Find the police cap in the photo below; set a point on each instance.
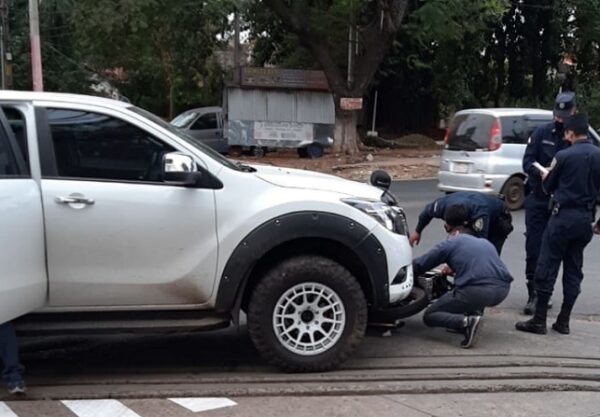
(564, 104)
(577, 123)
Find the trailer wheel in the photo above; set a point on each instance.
(314, 150)
(258, 151)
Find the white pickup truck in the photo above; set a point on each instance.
(112, 220)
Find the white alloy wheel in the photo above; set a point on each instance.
(309, 318)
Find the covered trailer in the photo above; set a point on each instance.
(275, 108)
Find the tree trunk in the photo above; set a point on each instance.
(346, 134)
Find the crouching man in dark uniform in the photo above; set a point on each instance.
(574, 183)
(488, 216)
(481, 279)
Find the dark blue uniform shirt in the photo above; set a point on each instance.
(574, 179)
(544, 143)
(474, 261)
(480, 206)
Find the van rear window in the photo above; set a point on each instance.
(469, 132)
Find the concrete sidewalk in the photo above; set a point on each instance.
(572, 404)
(498, 338)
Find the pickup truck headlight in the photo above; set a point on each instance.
(400, 222)
(390, 217)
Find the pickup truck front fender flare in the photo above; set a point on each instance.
(303, 225)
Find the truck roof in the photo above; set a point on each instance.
(64, 97)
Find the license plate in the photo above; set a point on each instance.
(460, 168)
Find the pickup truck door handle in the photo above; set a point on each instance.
(74, 200)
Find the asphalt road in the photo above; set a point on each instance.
(414, 195)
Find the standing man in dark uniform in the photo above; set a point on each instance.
(488, 216)
(574, 182)
(543, 144)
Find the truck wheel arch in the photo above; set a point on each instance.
(337, 237)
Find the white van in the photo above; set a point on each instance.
(484, 151)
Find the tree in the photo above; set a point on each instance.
(322, 28)
(62, 63)
(156, 51)
(440, 62)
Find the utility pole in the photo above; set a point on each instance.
(36, 54)
(3, 43)
(351, 47)
(2, 54)
(236, 49)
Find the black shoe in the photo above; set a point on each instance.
(531, 296)
(532, 326)
(474, 324)
(562, 328)
(530, 306)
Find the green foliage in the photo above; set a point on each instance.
(329, 20)
(62, 64)
(589, 102)
(158, 53)
(449, 54)
(155, 51)
(449, 21)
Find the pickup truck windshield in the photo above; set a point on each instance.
(205, 149)
(184, 119)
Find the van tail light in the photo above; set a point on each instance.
(446, 136)
(495, 140)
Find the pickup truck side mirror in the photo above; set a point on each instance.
(181, 169)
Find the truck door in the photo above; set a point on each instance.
(208, 129)
(117, 234)
(23, 283)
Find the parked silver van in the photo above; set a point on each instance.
(484, 151)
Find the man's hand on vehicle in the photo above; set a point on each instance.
(597, 228)
(415, 238)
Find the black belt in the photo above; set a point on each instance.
(556, 207)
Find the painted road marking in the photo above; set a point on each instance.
(196, 405)
(5, 411)
(98, 408)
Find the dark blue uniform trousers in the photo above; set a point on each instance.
(536, 219)
(450, 309)
(564, 240)
(9, 353)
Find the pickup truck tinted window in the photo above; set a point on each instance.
(16, 121)
(97, 146)
(206, 121)
(8, 163)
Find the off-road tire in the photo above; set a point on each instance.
(291, 272)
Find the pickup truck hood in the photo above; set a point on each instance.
(310, 180)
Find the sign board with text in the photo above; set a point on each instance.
(283, 131)
(351, 103)
(283, 78)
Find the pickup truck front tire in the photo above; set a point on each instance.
(307, 314)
